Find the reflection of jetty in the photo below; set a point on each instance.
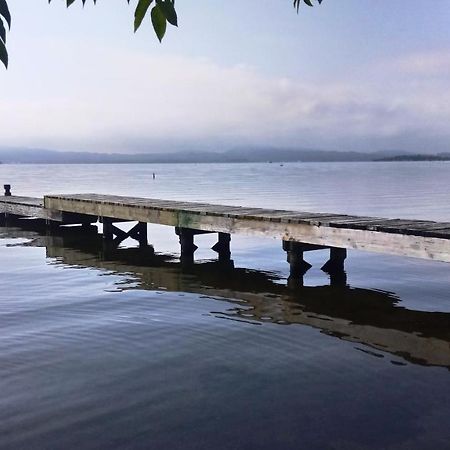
(299, 231)
(369, 317)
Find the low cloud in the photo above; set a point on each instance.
(434, 63)
(127, 102)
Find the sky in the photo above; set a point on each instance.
(362, 75)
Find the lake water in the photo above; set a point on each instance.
(121, 349)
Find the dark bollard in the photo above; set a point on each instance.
(7, 190)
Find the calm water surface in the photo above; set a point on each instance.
(106, 348)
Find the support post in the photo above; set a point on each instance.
(7, 190)
(139, 233)
(335, 266)
(108, 229)
(222, 247)
(336, 261)
(188, 248)
(298, 266)
(142, 234)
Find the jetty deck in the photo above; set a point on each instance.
(300, 231)
(423, 239)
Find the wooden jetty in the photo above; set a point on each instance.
(299, 231)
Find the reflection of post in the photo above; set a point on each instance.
(51, 226)
(295, 282)
(338, 278)
(222, 247)
(188, 247)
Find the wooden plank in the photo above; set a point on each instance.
(326, 220)
(379, 224)
(278, 215)
(430, 225)
(16, 200)
(442, 233)
(394, 225)
(304, 217)
(354, 220)
(358, 224)
(22, 206)
(251, 213)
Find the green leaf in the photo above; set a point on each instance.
(2, 31)
(3, 54)
(168, 8)
(4, 11)
(141, 11)
(297, 3)
(159, 22)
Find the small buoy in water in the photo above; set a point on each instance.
(154, 175)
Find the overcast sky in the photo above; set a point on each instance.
(348, 75)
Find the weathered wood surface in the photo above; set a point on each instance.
(31, 207)
(23, 206)
(415, 238)
(421, 239)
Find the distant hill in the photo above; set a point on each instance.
(417, 157)
(237, 155)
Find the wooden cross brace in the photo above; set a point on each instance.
(116, 235)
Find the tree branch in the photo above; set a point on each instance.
(162, 13)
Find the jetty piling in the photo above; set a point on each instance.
(222, 247)
(188, 247)
(336, 261)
